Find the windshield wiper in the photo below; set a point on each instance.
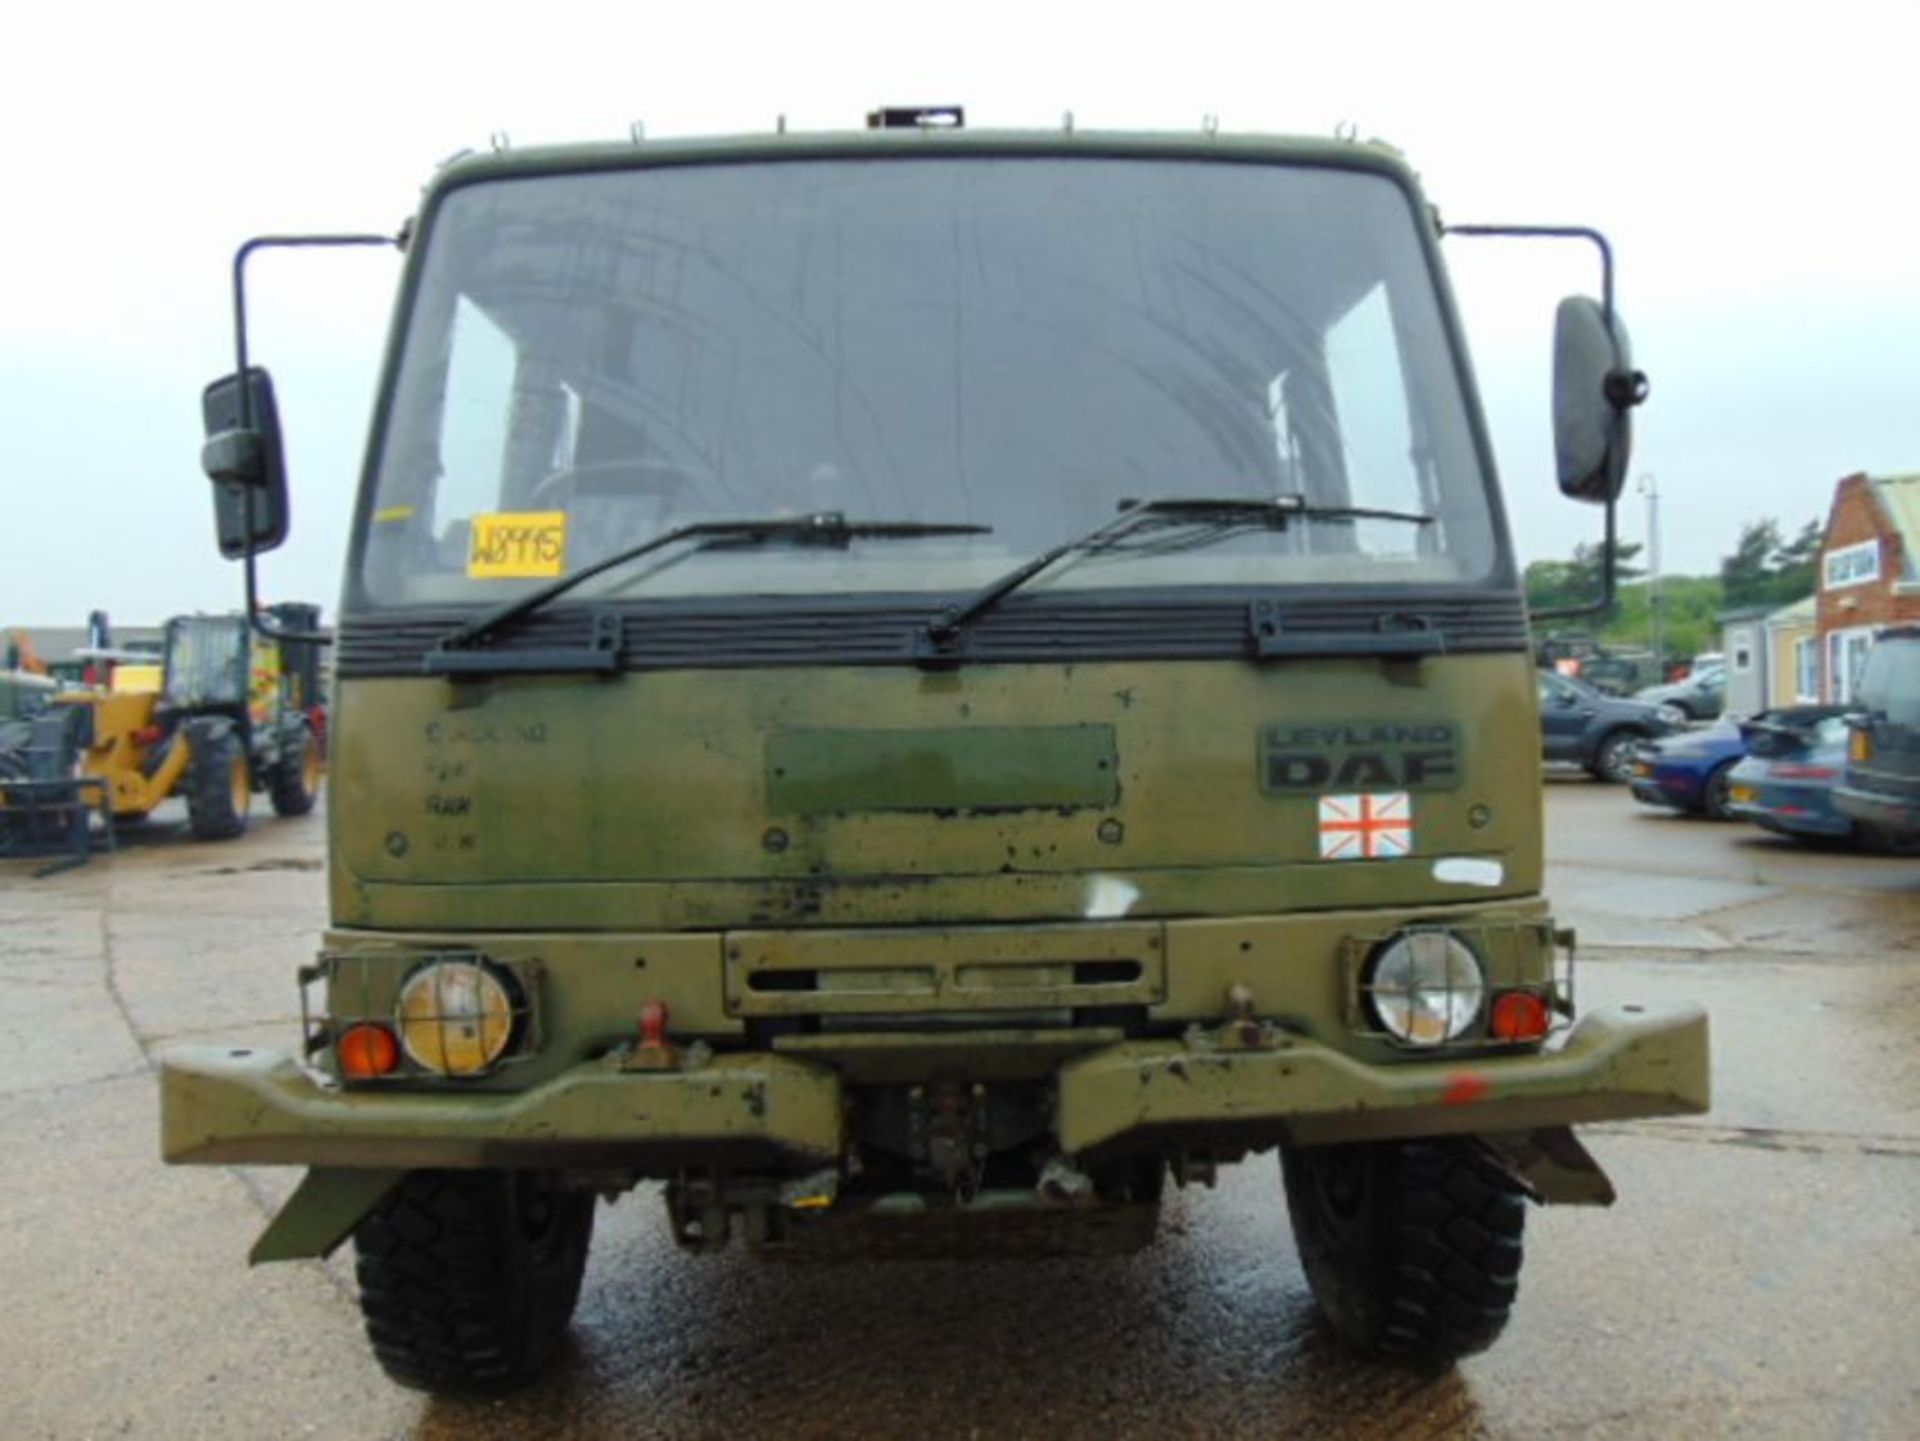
(456, 653)
(1224, 516)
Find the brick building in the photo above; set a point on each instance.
(1869, 573)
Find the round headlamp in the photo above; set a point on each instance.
(1426, 987)
(454, 1017)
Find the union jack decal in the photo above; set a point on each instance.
(1370, 827)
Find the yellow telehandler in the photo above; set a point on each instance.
(223, 714)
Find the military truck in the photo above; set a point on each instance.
(910, 686)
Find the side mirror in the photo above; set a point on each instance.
(1595, 388)
(242, 457)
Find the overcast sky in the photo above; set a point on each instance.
(1757, 175)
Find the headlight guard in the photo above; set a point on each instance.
(455, 1015)
(1432, 986)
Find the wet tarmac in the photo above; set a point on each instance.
(1756, 1278)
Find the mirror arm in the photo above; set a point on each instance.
(260, 625)
(1608, 582)
(1625, 389)
(1552, 232)
(257, 620)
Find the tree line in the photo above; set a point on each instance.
(1764, 569)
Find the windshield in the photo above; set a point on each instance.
(1022, 344)
(1890, 680)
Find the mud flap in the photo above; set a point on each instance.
(321, 1213)
(1551, 1166)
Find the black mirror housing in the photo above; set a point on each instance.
(1595, 389)
(235, 457)
(243, 459)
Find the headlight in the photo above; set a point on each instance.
(1426, 987)
(455, 1017)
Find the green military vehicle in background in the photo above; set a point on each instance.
(911, 686)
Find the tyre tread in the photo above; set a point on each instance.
(443, 1294)
(1466, 1221)
(1435, 1276)
(215, 747)
(287, 781)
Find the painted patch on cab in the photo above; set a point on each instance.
(1360, 756)
(1366, 827)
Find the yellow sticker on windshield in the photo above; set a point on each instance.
(516, 545)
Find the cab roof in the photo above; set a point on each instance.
(1371, 155)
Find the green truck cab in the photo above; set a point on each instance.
(912, 686)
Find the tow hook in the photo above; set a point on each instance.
(1064, 1184)
(654, 1050)
(1242, 1030)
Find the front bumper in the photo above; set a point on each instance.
(1616, 1063)
(221, 1106)
(1651, 790)
(263, 1108)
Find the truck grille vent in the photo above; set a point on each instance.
(876, 631)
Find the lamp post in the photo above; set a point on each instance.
(1650, 488)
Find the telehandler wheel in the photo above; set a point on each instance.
(1412, 1248)
(13, 751)
(219, 791)
(468, 1278)
(293, 785)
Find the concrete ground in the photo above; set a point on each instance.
(1757, 1277)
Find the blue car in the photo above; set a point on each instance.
(1689, 771)
(1794, 759)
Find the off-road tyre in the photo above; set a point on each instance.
(1412, 1248)
(15, 737)
(469, 1278)
(1613, 757)
(217, 786)
(293, 785)
(1714, 793)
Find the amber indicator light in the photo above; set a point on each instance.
(1519, 1016)
(367, 1050)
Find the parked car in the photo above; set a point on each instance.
(1620, 672)
(1688, 771)
(1880, 791)
(1786, 784)
(1601, 732)
(1701, 696)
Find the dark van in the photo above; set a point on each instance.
(1881, 791)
